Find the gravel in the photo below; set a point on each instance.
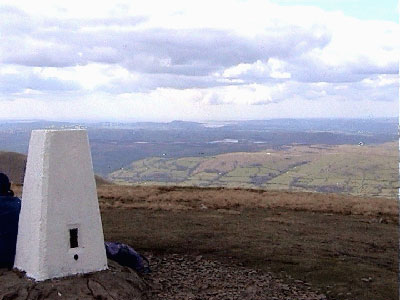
(195, 277)
(173, 276)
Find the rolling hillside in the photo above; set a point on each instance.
(13, 164)
(356, 170)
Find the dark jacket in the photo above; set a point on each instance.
(9, 216)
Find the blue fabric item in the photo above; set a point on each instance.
(9, 216)
(5, 185)
(127, 256)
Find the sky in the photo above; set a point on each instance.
(198, 60)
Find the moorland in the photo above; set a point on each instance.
(344, 247)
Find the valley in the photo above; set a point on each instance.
(355, 170)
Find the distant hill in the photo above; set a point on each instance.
(13, 164)
(116, 145)
(101, 181)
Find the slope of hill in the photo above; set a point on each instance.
(356, 170)
(13, 164)
(101, 181)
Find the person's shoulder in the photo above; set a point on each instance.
(16, 199)
(9, 199)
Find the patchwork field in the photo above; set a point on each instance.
(356, 170)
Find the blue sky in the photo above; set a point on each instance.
(362, 9)
(135, 60)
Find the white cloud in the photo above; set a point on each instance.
(272, 69)
(383, 80)
(90, 76)
(197, 56)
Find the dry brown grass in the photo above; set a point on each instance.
(188, 198)
(185, 198)
(17, 187)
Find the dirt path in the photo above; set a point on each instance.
(187, 277)
(346, 257)
(173, 277)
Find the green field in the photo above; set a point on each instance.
(356, 170)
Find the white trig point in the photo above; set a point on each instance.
(60, 231)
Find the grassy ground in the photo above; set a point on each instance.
(360, 171)
(191, 198)
(345, 246)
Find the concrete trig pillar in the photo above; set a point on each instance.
(60, 231)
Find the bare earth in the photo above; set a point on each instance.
(194, 277)
(173, 277)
